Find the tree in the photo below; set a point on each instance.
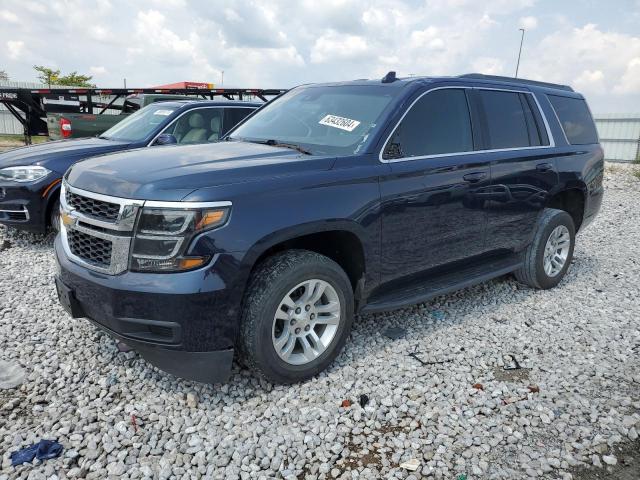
(53, 77)
(74, 79)
(47, 75)
(3, 76)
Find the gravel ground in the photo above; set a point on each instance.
(573, 403)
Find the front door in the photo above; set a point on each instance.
(432, 208)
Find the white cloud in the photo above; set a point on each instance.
(528, 23)
(488, 66)
(15, 48)
(8, 16)
(280, 43)
(335, 46)
(630, 81)
(593, 60)
(97, 70)
(591, 81)
(427, 38)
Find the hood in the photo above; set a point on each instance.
(170, 173)
(58, 155)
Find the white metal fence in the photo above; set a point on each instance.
(619, 136)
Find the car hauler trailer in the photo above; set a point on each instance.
(31, 106)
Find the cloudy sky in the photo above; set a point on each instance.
(592, 45)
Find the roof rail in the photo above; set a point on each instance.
(480, 76)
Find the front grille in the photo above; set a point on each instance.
(94, 208)
(91, 249)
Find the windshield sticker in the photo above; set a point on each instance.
(339, 122)
(164, 113)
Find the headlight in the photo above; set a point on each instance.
(163, 236)
(28, 173)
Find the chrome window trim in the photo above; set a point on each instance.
(560, 123)
(552, 142)
(150, 144)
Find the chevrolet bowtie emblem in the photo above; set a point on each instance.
(67, 219)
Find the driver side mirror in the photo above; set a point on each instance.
(165, 139)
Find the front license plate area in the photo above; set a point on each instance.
(68, 300)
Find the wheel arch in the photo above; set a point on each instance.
(571, 199)
(342, 241)
(50, 195)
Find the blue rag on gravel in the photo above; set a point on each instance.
(43, 450)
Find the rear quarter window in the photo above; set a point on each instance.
(575, 119)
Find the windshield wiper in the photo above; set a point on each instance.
(292, 146)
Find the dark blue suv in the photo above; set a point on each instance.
(332, 200)
(30, 177)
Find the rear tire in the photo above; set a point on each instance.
(296, 317)
(547, 258)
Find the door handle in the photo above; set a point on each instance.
(544, 167)
(474, 177)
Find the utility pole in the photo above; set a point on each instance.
(125, 82)
(520, 51)
(221, 78)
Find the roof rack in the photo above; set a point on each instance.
(480, 76)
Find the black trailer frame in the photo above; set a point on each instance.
(28, 107)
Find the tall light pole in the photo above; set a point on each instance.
(221, 78)
(520, 51)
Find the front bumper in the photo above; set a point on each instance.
(24, 206)
(183, 323)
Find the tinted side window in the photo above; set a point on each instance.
(437, 123)
(233, 116)
(575, 119)
(534, 134)
(506, 120)
(539, 122)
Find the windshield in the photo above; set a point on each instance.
(322, 120)
(141, 124)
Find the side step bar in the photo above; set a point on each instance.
(442, 284)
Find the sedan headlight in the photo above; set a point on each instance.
(29, 173)
(163, 236)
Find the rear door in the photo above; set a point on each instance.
(430, 212)
(523, 170)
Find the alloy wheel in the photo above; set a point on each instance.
(306, 322)
(556, 250)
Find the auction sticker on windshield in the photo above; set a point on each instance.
(164, 113)
(339, 122)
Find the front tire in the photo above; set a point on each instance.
(547, 258)
(54, 217)
(296, 317)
